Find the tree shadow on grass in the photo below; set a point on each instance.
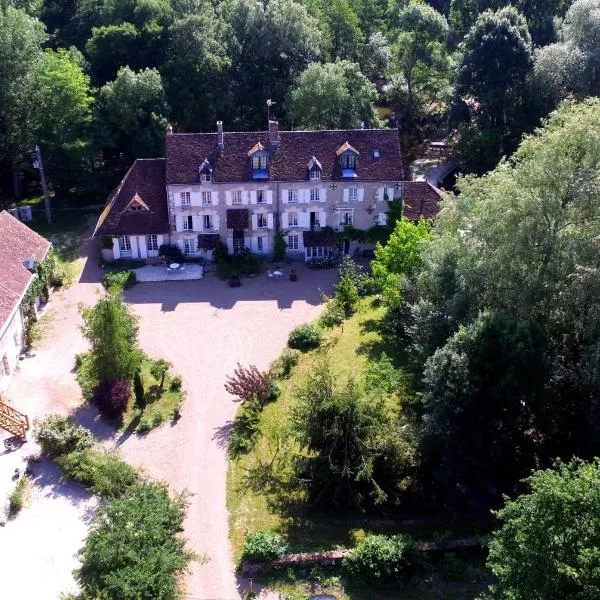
(130, 429)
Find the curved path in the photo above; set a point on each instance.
(204, 328)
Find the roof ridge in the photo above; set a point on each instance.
(281, 131)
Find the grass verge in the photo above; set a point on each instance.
(18, 497)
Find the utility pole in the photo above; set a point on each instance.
(38, 164)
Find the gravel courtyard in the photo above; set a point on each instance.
(204, 328)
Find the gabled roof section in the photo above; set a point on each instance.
(420, 199)
(258, 147)
(205, 166)
(18, 244)
(146, 180)
(313, 162)
(346, 147)
(136, 200)
(288, 159)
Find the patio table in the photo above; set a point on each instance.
(174, 266)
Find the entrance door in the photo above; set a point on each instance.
(343, 246)
(238, 240)
(314, 221)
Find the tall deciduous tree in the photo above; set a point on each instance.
(333, 96)
(132, 114)
(21, 37)
(548, 544)
(112, 333)
(496, 59)
(420, 58)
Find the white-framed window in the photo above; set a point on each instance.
(318, 252)
(152, 242)
(259, 162)
(207, 222)
(353, 194)
(261, 197)
(315, 174)
(186, 198)
(259, 244)
(206, 198)
(348, 160)
(188, 223)
(293, 219)
(261, 220)
(315, 195)
(189, 246)
(292, 196)
(346, 217)
(205, 177)
(292, 242)
(124, 243)
(236, 197)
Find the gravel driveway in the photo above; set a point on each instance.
(204, 328)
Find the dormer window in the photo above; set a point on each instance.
(259, 161)
(347, 156)
(136, 204)
(314, 169)
(206, 172)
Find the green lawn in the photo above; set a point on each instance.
(260, 492)
(257, 493)
(161, 405)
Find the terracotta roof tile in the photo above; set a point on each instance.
(146, 181)
(289, 158)
(18, 243)
(420, 200)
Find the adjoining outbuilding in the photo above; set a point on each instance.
(21, 249)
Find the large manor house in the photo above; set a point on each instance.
(243, 189)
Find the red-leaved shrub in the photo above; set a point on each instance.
(249, 383)
(111, 397)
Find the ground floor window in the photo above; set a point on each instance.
(292, 242)
(125, 243)
(152, 242)
(318, 252)
(4, 367)
(259, 244)
(189, 246)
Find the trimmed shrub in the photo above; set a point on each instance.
(111, 398)
(175, 384)
(117, 281)
(346, 295)
(173, 253)
(158, 370)
(103, 472)
(305, 337)
(283, 366)
(263, 546)
(381, 558)
(56, 436)
(17, 498)
(332, 315)
(138, 390)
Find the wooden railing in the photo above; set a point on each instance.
(12, 420)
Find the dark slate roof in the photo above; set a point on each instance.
(18, 243)
(185, 152)
(420, 199)
(318, 238)
(146, 178)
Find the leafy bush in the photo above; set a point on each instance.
(322, 263)
(305, 337)
(176, 384)
(33, 332)
(56, 436)
(349, 268)
(103, 472)
(111, 398)
(118, 281)
(244, 430)
(263, 546)
(282, 367)
(173, 253)
(381, 558)
(243, 263)
(381, 375)
(333, 314)
(220, 253)
(18, 496)
(346, 295)
(249, 383)
(134, 550)
(59, 276)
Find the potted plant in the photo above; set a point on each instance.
(293, 275)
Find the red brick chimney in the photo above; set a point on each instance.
(274, 133)
(220, 134)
